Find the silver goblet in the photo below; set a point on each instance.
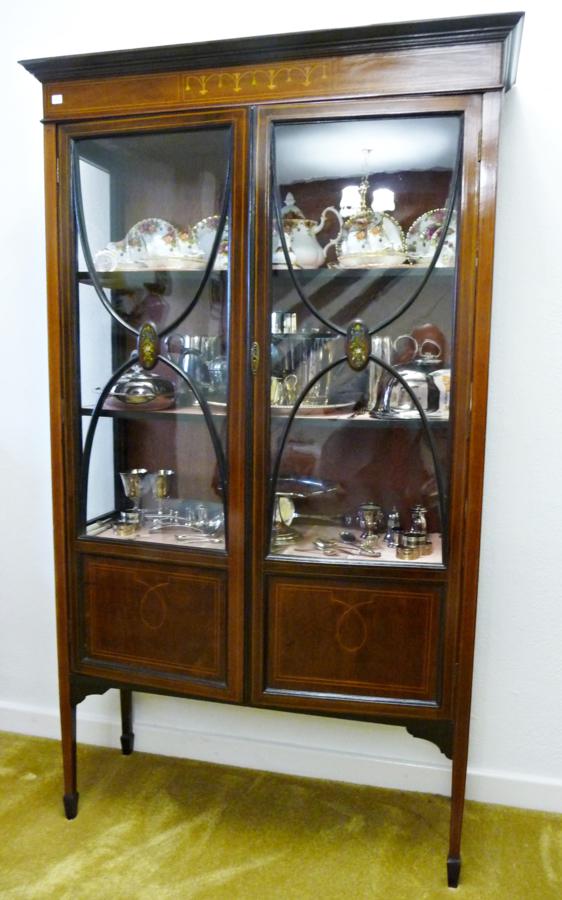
(133, 485)
(161, 487)
(371, 516)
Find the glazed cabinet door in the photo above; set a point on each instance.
(153, 297)
(365, 225)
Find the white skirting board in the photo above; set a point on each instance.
(291, 757)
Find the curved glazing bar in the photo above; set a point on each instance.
(87, 449)
(285, 433)
(276, 198)
(295, 410)
(450, 207)
(213, 254)
(82, 231)
(83, 234)
(86, 453)
(217, 446)
(425, 427)
(429, 436)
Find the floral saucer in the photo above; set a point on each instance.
(382, 260)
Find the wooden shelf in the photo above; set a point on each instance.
(328, 274)
(129, 279)
(195, 412)
(132, 412)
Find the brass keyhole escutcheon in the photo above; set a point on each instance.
(254, 357)
(148, 345)
(358, 345)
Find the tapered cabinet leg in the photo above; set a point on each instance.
(460, 758)
(127, 736)
(453, 872)
(68, 730)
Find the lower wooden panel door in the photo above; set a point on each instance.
(155, 621)
(336, 640)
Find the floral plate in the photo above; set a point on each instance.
(204, 234)
(424, 235)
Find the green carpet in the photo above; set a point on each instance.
(156, 827)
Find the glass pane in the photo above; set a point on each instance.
(363, 243)
(153, 259)
(140, 488)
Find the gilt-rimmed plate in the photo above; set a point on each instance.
(204, 234)
(424, 236)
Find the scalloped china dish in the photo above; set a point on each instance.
(424, 235)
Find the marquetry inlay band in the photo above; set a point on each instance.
(152, 605)
(253, 81)
(351, 627)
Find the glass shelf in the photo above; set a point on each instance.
(162, 539)
(134, 278)
(304, 550)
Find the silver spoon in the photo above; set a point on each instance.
(328, 551)
(196, 538)
(356, 551)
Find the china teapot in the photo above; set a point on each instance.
(300, 234)
(277, 253)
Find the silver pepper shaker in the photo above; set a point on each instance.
(392, 523)
(419, 520)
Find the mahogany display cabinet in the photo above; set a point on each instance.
(269, 289)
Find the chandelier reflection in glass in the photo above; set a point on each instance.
(370, 237)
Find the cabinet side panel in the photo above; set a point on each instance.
(56, 406)
(491, 111)
(59, 472)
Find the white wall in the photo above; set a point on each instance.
(516, 741)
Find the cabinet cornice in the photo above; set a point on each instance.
(504, 29)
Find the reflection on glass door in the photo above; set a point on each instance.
(153, 307)
(363, 261)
